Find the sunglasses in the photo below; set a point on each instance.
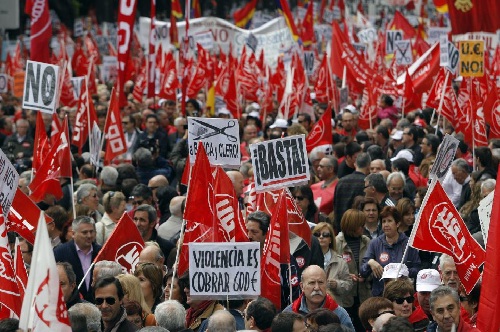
(299, 198)
(109, 300)
(93, 195)
(324, 234)
(401, 300)
(463, 298)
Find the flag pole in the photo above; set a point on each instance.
(85, 275)
(72, 199)
(290, 282)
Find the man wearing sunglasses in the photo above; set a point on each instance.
(108, 296)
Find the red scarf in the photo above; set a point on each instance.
(192, 314)
(329, 303)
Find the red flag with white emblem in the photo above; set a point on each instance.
(491, 108)
(324, 84)
(113, 131)
(440, 228)
(20, 270)
(321, 132)
(43, 306)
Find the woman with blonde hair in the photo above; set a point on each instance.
(151, 279)
(338, 279)
(114, 205)
(132, 292)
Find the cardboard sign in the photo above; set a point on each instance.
(444, 157)
(220, 138)
(484, 212)
(40, 87)
(390, 37)
(224, 270)
(404, 56)
(367, 35)
(109, 69)
(280, 163)
(205, 39)
(18, 84)
(309, 62)
(434, 34)
(9, 179)
(472, 58)
(77, 85)
(78, 28)
(344, 97)
(4, 83)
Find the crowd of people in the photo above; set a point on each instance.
(361, 202)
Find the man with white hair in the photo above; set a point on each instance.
(396, 185)
(221, 321)
(450, 278)
(153, 254)
(171, 228)
(487, 187)
(20, 144)
(107, 179)
(91, 312)
(171, 315)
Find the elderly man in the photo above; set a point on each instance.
(460, 172)
(105, 269)
(376, 187)
(450, 278)
(324, 190)
(109, 300)
(376, 166)
(170, 230)
(221, 321)
(153, 254)
(314, 296)
(20, 144)
(155, 182)
(396, 185)
(145, 220)
(445, 309)
(91, 313)
(171, 315)
(427, 281)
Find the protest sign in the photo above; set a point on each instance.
(309, 62)
(78, 28)
(4, 83)
(367, 36)
(344, 97)
(220, 137)
(280, 163)
(449, 54)
(77, 86)
(472, 58)
(390, 37)
(402, 51)
(444, 157)
(484, 212)
(18, 84)
(10, 179)
(40, 87)
(434, 34)
(205, 39)
(109, 68)
(220, 271)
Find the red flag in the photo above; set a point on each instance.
(23, 216)
(324, 84)
(85, 110)
(186, 172)
(176, 9)
(491, 109)
(412, 100)
(200, 78)
(43, 306)
(247, 76)
(307, 33)
(113, 131)
(227, 87)
(423, 70)
(174, 32)
(41, 29)
(243, 16)
(478, 124)
(20, 270)
(56, 126)
(474, 16)
(42, 145)
(284, 9)
(170, 82)
(67, 97)
(440, 221)
(141, 82)
(126, 17)
(123, 245)
(463, 113)
(92, 48)
(399, 22)
(152, 52)
(10, 298)
(276, 251)
(369, 108)
(321, 132)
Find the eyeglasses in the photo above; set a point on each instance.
(368, 186)
(299, 198)
(324, 234)
(124, 122)
(136, 201)
(322, 166)
(109, 300)
(385, 312)
(401, 300)
(93, 195)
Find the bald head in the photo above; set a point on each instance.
(221, 321)
(237, 180)
(158, 181)
(175, 206)
(152, 254)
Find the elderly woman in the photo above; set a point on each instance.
(400, 293)
(352, 244)
(86, 196)
(114, 204)
(388, 248)
(151, 279)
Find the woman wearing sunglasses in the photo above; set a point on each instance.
(399, 292)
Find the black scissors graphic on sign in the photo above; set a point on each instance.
(217, 131)
(403, 53)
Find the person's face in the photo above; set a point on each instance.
(458, 174)
(389, 226)
(325, 237)
(304, 123)
(84, 235)
(151, 125)
(418, 200)
(23, 186)
(396, 187)
(409, 218)
(163, 118)
(449, 275)
(136, 320)
(22, 128)
(403, 310)
(27, 254)
(107, 294)
(250, 132)
(190, 109)
(407, 138)
(425, 147)
(170, 109)
(127, 124)
(66, 287)
(369, 190)
(371, 213)
(446, 313)
(347, 121)
(238, 183)
(376, 166)
(146, 287)
(255, 234)
(299, 326)
(92, 200)
(176, 291)
(143, 225)
(324, 170)
(302, 202)
(313, 286)
(423, 300)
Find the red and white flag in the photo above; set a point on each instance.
(113, 131)
(324, 84)
(152, 52)
(41, 29)
(85, 110)
(43, 306)
(126, 17)
(10, 298)
(41, 147)
(321, 132)
(123, 245)
(20, 270)
(491, 109)
(440, 228)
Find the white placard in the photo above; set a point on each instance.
(220, 138)
(280, 163)
(402, 51)
(309, 62)
(344, 97)
(9, 14)
(434, 34)
(9, 179)
(78, 28)
(390, 37)
(77, 86)
(40, 87)
(224, 270)
(205, 39)
(367, 35)
(109, 69)
(444, 157)
(484, 212)
(453, 57)
(443, 51)
(4, 83)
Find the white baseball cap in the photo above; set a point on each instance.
(398, 135)
(279, 123)
(406, 154)
(428, 280)
(391, 271)
(254, 114)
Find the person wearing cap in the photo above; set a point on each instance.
(280, 124)
(223, 113)
(399, 292)
(396, 142)
(427, 281)
(415, 176)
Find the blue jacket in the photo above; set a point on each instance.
(385, 253)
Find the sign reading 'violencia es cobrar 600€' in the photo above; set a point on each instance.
(280, 163)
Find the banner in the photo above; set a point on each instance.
(40, 87)
(444, 157)
(220, 137)
(224, 271)
(280, 163)
(471, 58)
(10, 179)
